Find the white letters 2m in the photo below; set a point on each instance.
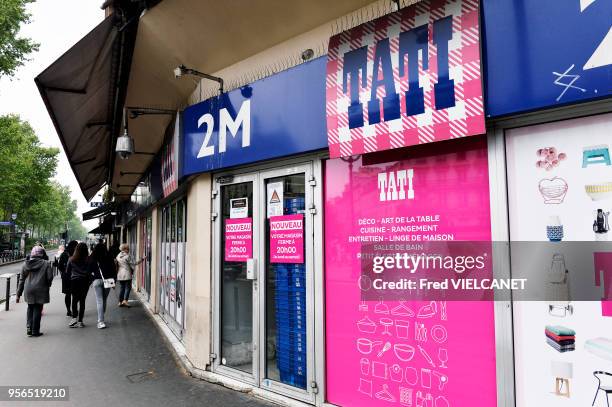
(392, 185)
(243, 118)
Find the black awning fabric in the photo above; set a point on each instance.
(105, 227)
(97, 212)
(78, 91)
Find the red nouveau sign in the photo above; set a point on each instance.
(406, 78)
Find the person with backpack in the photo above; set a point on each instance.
(34, 284)
(103, 269)
(80, 279)
(62, 264)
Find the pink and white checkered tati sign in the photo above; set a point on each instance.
(406, 78)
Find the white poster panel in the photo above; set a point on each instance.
(274, 198)
(172, 285)
(162, 277)
(558, 175)
(239, 208)
(180, 282)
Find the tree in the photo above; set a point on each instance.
(43, 206)
(25, 169)
(13, 49)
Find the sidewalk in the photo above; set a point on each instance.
(127, 364)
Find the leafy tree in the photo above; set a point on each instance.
(13, 49)
(43, 207)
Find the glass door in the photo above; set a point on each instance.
(264, 271)
(236, 271)
(286, 225)
(172, 266)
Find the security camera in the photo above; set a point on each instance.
(125, 146)
(178, 72)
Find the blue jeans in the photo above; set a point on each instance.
(101, 295)
(124, 292)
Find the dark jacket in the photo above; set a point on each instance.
(36, 279)
(62, 265)
(107, 267)
(79, 271)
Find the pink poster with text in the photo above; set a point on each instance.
(385, 352)
(238, 239)
(287, 239)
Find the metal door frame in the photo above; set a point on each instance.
(305, 168)
(315, 392)
(217, 366)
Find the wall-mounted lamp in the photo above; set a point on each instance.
(181, 70)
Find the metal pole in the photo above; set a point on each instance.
(8, 294)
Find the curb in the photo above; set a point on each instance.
(8, 263)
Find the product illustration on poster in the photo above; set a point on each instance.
(577, 333)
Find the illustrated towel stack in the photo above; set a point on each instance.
(560, 338)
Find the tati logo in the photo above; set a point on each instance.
(226, 123)
(238, 227)
(395, 185)
(286, 225)
(412, 44)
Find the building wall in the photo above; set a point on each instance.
(287, 54)
(198, 272)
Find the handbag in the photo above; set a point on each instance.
(108, 282)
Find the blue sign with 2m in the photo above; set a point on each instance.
(545, 53)
(270, 118)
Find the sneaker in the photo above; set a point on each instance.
(101, 325)
(29, 332)
(38, 334)
(126, 304)
(120, 304)
(80, 325)
(73, 323)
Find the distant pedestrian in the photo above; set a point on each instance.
(36, 279)
(80, 278)
(62, 265)
(102, 268)
(125, 270)
(56, 258)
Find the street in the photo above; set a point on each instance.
(127, 364)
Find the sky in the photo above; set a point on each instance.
(56, 25)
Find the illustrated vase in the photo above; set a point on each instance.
(554, 229)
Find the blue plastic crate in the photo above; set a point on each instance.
(286, 347)
(293, 380)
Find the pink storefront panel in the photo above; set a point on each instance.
(414, 353)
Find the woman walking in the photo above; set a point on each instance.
(125, 268)
(36, 279)
(80, 278)
(62, 266)
(102, 268)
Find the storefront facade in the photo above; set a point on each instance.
(439, 123)
(336, 193)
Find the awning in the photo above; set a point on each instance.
(97, 212)
(105, 228)
(82, 91)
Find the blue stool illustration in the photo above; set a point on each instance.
(596, 155)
